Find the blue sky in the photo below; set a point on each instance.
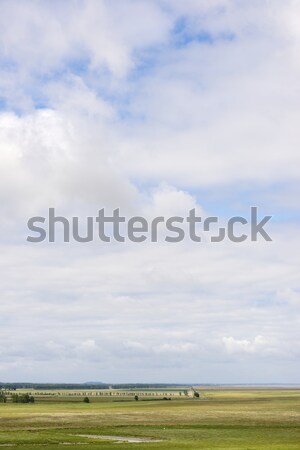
(154, 107)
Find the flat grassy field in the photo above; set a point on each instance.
(234, 419)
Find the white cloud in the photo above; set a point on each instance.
(243, 345)
(289, 295)
(104, 105)
(45, 37)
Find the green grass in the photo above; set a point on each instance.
(239, 419)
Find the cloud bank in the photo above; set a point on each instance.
(154, 107)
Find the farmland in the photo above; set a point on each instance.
(231, 419)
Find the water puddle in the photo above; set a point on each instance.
(118, 438)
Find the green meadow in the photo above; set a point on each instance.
(231, 419)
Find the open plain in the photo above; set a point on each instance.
(227, 419)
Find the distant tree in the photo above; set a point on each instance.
(196, 394)
(2, 397)
(86, 400)
(136, 397)
(22, 398)
(25, 398)
(15, 398)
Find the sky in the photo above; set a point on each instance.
(155, 107)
